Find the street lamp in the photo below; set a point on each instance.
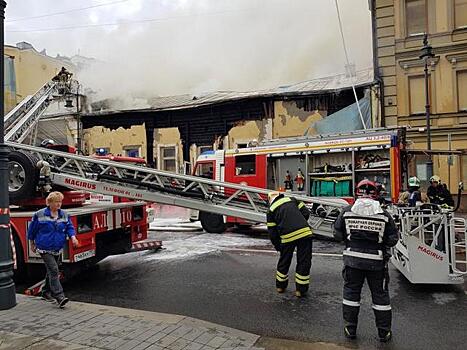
(7, 286)
(426, 55)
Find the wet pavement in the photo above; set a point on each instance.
(232, 284)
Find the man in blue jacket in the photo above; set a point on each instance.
(48, 232)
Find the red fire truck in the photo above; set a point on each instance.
(318, 166)
(105, 226)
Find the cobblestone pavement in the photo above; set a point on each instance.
(36, 324)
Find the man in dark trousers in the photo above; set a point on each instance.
(288, 229)
(368, 231)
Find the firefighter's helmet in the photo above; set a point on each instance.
(272, 195)
(367, 188)
(414, 182)
(435, 178)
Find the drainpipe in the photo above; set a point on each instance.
(377, 77)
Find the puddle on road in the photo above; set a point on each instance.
(197, 245)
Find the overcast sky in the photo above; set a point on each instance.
(164, 47)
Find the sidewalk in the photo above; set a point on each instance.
(37, 324)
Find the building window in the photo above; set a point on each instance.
(168, 159)
(460, 13)
(417, 94)
(132, 151)
(462, 90)
(245, 165)
(416, 17)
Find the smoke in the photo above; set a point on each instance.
(198, 46)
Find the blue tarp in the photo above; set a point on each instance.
(345, 120)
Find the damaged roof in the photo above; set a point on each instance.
(310, 87)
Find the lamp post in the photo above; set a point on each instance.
(7, 286)
(78, 122)
(426, 55)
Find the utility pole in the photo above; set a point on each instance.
(7, 286)
(426, 55)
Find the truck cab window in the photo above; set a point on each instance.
(245, 165)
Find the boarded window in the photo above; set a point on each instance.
(417, 94)
(460, 13)
(462, 90)
(416, 17)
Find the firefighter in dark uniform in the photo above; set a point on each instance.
(288, 229)
(368, 231)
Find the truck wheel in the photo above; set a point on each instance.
(23, 175)
(212, 223)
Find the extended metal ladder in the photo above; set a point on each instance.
(22, 119)
(141, 183)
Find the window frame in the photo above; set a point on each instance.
(454, 25)
(406, 22)
(161, 159)
(130, 148)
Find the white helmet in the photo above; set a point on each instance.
(414, 182)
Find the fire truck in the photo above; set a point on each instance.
(432, 248)
(105, 226)
(317, 166)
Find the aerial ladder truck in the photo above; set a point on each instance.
(217, 199)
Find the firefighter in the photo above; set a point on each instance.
(413, 196)
(438, 193)
(288, 229)
(368, 231)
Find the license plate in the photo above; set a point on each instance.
(84, 255)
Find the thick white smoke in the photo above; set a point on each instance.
(194, 46)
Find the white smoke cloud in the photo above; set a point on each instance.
(188, 46)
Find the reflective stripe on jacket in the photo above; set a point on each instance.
(287, 220)
(366, 237)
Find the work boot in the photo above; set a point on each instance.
(45, 295)
(350, 332)
(280, 290)
(384, 335)
(299, 294)
(62, 302)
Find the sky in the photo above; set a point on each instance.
(166, 47)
